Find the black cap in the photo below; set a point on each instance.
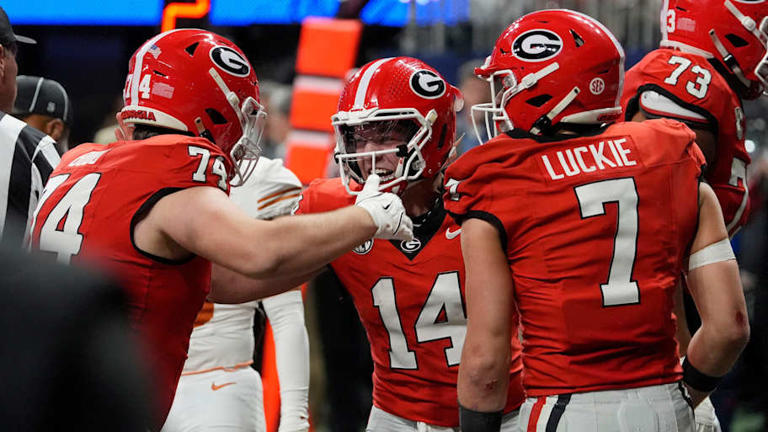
(36, 95)
(7, 37)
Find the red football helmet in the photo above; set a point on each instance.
(735, 32)
(549, 67)
(400, 114)
(197, 82)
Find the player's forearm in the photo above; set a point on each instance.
(724, 330)
(484, 376)
(299, 244)
(714, 351)
(231, 287)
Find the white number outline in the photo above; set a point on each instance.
(671, 19)
(703, 77)
(619, 289)
(400, 354)
(427, 327)
(216, 168)
(144, 86)
(68, 241)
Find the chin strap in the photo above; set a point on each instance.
(545, 122)
(729, 59)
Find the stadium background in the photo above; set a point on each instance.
(85, 45)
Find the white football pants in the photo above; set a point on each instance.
(382, 421)
(222, 400)
(660, 408)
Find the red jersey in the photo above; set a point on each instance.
(595, 229)
(410, 298)
(693, 83)
(89, 207)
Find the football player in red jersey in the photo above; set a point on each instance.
(396, 119)
(712, 56)
(153, 208)
(584, 226)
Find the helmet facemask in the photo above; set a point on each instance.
(752, 88)
(761, 69)
(504, 86)
(252, 117)
(246, 151)
(494, 119)
(396, 137)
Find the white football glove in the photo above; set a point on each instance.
(386, 210)
(706, 419)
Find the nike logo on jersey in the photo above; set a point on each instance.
(450, 235)
(215, 387)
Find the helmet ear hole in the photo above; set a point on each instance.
(539, 100)
(191, 49)
(215, 116)
(441, 141)
(736, 41)
(577, 39)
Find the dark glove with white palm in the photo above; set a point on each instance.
(386, 210)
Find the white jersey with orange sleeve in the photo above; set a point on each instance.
(217, 386)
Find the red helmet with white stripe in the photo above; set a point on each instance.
(396, 118)
(200, 83)
(550, 67)
(734, 32)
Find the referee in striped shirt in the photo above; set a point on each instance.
(27, 156)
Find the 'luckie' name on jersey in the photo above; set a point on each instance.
(603, 155)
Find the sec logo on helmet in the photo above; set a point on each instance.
(537, 45)
(427, 84)
(230, 61)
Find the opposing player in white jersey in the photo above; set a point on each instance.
(218, 389)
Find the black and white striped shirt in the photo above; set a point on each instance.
(27, 157)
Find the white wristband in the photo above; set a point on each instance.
(716, 252)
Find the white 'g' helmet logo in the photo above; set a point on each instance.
(230, 61)
(537, 45)
(427, 84)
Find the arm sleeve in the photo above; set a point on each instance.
(468, 191)
(286, 316)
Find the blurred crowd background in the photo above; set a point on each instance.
(85, 46)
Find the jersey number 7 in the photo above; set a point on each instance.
(619, 289)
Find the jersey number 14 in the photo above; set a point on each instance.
(445, 295)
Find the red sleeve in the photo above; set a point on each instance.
(304, 206)
(192, 162)
(324, 195)
(469, 186)
(689, 81)
(672, 141)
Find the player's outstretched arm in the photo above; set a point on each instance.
(713, 279)
(204, 221)
(484, 370)
(231, 287)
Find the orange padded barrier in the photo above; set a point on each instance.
(308, 154)
(269, 381)
(312, 109)
(327, 46)
(327, 51)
